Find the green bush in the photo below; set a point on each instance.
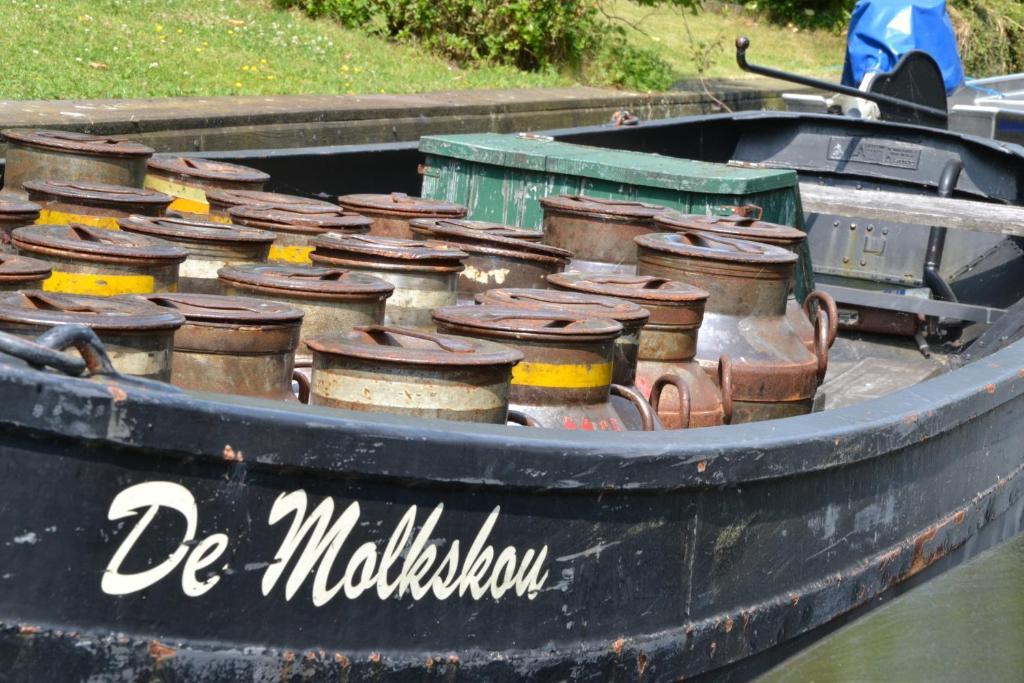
(829, 14)
(990, 35)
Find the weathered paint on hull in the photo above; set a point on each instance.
(654, 558)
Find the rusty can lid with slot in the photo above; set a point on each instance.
(306, 282)
(402, 346)
(701, 245)
(206, 169)
(537, 324)
(232, 324)
(311, 219)
(15, 269)
(178, 229)
(472, 239)
(104, 195)
(629, 314)
(741, 224)
(376, 248)
(595, 207)
(432, 227)
(110, 314)
(669, 301)
(223, 200)
(79, 143)
(401, 204)
(90, 242)
(13, 209)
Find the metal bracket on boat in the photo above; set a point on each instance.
(953, 310)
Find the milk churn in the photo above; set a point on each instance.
(21, 272)
(631, 316)
(402, 371)
(294, 226)
(89, 260)
(685, 395)
(187, 179)
(333, 300)
(221, 201)
(233, 345)
(95, 204)
(210, 245)
(565, 379)
(745, 223)
(137, 335)
(64, 155)
(773, 373)
(425, 274)
(498, 257)
(391, 213)
(14, 213)
(599, 232)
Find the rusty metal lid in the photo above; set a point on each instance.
(86, 240)
(427, 227)
(401, 204)
(194, 230)
(111, 313)
(206, 169)
(741, 225)
(645, 288)
(79, 143)
(229, 310)
(538, 323)
(14, 268)
(306, 281)
(403, 346)
(621, 209)
(507, 239)
(626, 312)
(12, 208)
(231, 198)
(313, 219)
(702, 245)
(387, 248)
(80, 192)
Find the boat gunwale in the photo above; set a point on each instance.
(355, 445)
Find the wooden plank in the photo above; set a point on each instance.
(920, 209)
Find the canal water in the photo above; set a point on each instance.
(966, 625)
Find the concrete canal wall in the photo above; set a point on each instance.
(229, 123)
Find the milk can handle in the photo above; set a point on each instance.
(303, 381)
(520, 418)
(821, 347)
(824, 299)
(658, 388)
(725, 386)
(445, 343)
(648, 419)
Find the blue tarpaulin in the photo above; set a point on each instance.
(881, 31)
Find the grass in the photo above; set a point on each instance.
(816, 53)
(68, 49)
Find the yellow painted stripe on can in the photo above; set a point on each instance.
(569, 376)
(188, 198)
(290, 254)
(99, 284)
(226, 220)
(50, 217)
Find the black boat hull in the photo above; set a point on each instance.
(615, 557)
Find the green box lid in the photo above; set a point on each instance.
(535, 153)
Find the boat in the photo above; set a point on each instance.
(990, 107)
(178, 535)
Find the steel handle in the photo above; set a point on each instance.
(520, 418)
(648, 420)
(823, 299)
(658, 388)
(378, 333)
(821, 347)
(725, 386)
(304, 381)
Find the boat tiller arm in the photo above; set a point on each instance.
(742, 43)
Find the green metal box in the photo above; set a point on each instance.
(500, 178)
